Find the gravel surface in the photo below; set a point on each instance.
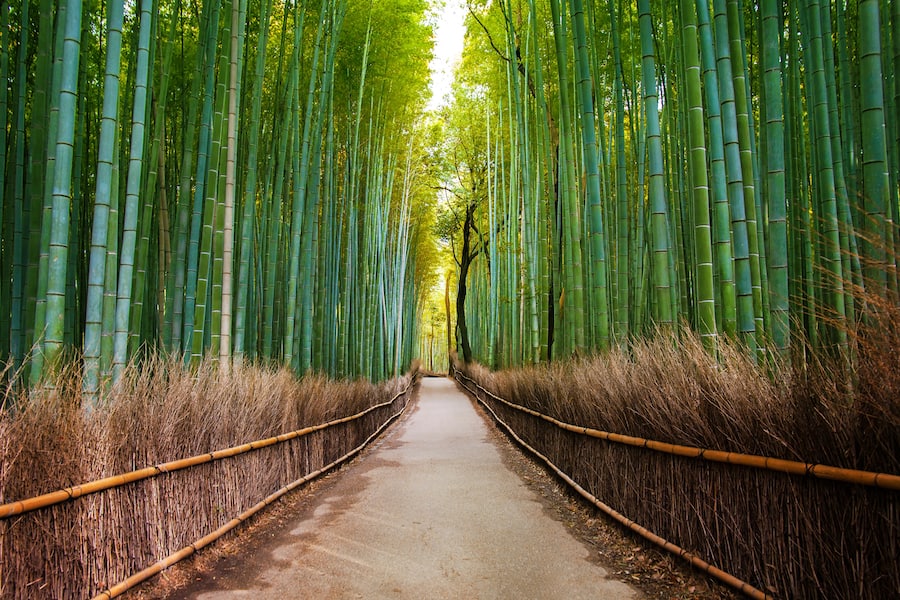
(442, 506)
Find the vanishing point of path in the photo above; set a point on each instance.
(430, 512)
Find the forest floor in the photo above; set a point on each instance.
(442, 506)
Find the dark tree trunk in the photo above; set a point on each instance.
(449, 325)
(464, 261)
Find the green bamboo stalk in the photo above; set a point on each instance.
(493, 254)
(62, 186)
(705, 292)
(659, 217)
(531, 225)
(745, 145)
(140, 328)
(725, 293)
(600, 300)
(549, 277)
(38, 125)
(156, 180)
(213, 249)
(175, 297)
(193, 268)
(572, 303)
(133, 193)
(102, 201)
(43, 176)
(301, 176)
(622, 221)
(73, 305)
(309, 244)
(273, 235)
(741, 247)
(803, 293)
(111, 277)
(874, 147)
(250, 191)
(346, 365)
(519, 183)
(774, 157)
(5, 45)
(846, 231)
(20, 205)
(238, 12)
(848, 122)
(325, 303)
(893, 105)
(827, 196)
(208, 307)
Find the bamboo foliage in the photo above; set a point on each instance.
(245, 178)
(216, 210)
(722, 178)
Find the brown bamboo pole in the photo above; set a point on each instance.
(141, 576)
(885, 481)
(76, 491)
(695, 560)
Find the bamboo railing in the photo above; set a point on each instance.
(886, 481)
(695, 560)
(63, 496)
(76, 491)
(145, 574)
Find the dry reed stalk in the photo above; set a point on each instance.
(157, 413)
(796, 537)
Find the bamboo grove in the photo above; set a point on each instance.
(634, 166)
(215, 178)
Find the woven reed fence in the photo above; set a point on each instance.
(786, 535)
(80, 541)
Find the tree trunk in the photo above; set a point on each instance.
(464, 261)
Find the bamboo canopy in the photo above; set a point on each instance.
(233, 179)
(655, 164)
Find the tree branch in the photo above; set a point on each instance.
(488, 33)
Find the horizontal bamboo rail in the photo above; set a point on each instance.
(179, 555)
(880, 480)
(695, 560)
(70, 493)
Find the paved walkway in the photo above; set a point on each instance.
(431, 512)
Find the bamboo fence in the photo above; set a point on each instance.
(97, 538)
(781, 528)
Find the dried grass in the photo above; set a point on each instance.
(796, 537)
(157, 413)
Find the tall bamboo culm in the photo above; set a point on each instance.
(722, 139)
(206, 161)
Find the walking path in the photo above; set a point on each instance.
(430, 512)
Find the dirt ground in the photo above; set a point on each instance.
(625, 556)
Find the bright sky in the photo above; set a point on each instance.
(449, 30)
